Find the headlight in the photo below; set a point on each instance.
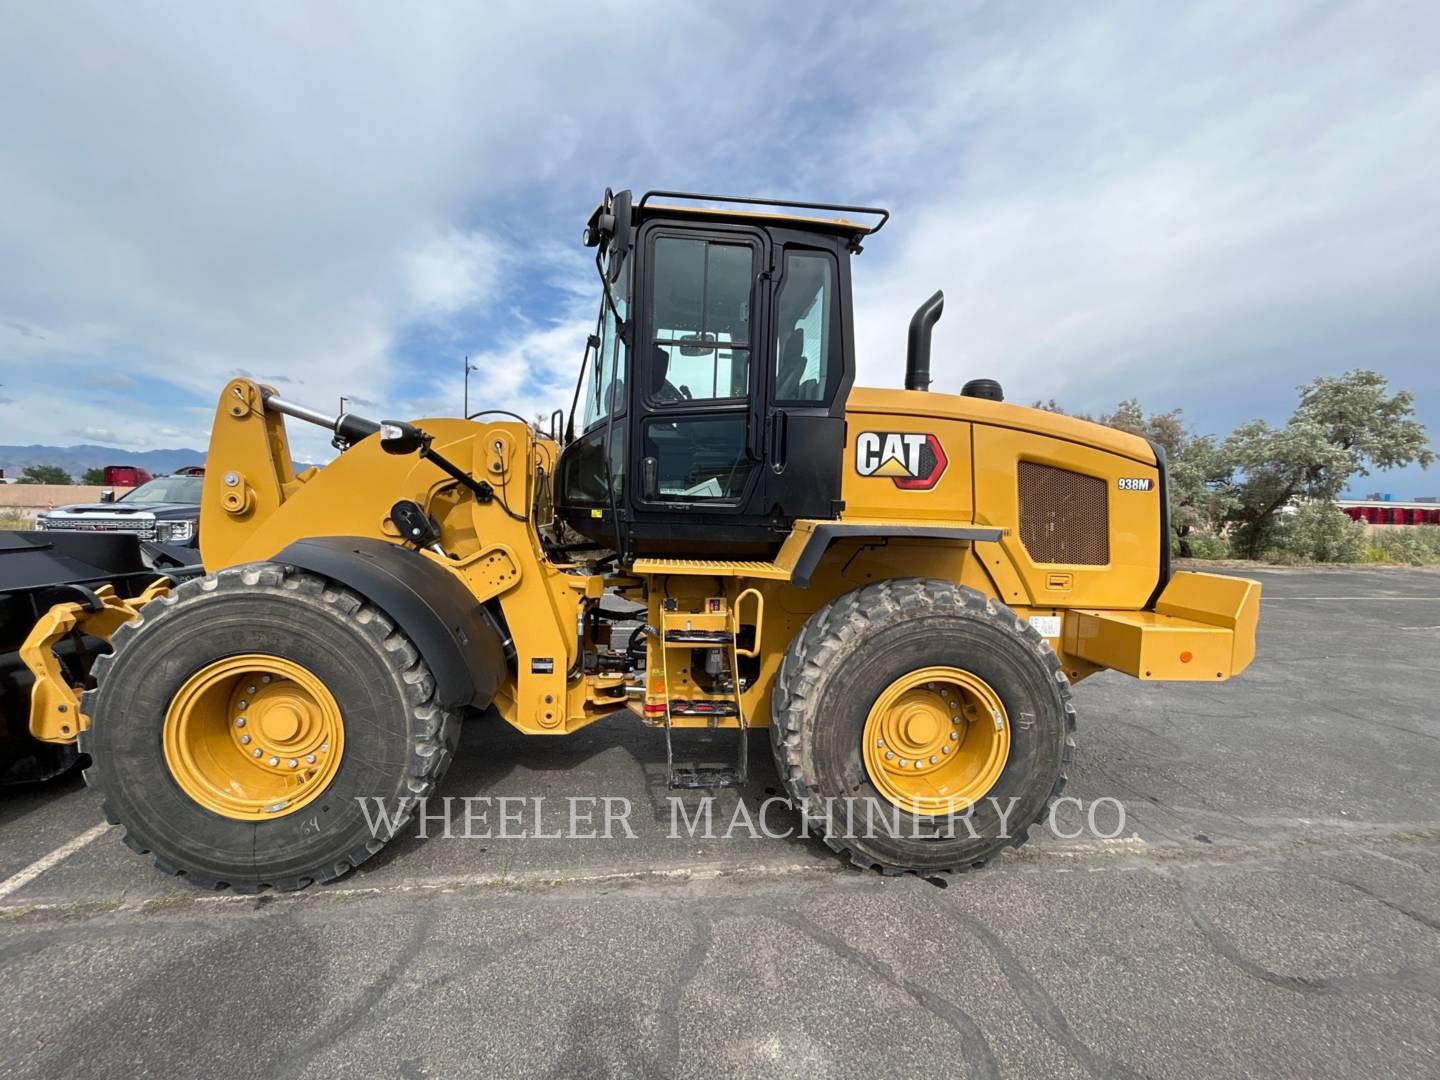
(41, 523)
(170, 531)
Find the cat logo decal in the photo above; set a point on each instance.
(914, 461)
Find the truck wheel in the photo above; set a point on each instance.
(245, 724)
(921, 725)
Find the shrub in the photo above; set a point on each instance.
(1417, 545)
(1204, 546)
(1318, 532)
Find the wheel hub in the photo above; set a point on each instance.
(253, 737)
(936, 740)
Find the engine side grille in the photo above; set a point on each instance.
(1064, 515)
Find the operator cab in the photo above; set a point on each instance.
(710, 411)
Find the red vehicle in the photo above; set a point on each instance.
(125, 476)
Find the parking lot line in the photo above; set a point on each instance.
(18, 881)
(1377, 599)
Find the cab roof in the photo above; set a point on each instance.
(823, 217)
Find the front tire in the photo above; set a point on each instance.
(268, 658)
(877, 690)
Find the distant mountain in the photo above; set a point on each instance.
(76, 459)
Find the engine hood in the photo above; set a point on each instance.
(160, 511)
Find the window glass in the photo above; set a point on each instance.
(610, 386)
(167, 489)
(700, 341)
(803, 313)
(699, 458)
(583, 482)
(617, 462)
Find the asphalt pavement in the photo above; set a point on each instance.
(1270, 907)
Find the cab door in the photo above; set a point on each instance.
(809, 379)
(698, 354)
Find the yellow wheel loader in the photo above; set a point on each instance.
(723, 534)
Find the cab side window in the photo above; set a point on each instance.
(700, 320)
(806, 361)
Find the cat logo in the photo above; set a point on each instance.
(914, 461)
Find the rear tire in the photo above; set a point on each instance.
(397, 742)
(843, 664)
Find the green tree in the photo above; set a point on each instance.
(93, 476)
(1343, 427)
(1201, 488)
(44, 474)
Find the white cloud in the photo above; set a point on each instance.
(1202, 205)
(452, 272)
(103, 435)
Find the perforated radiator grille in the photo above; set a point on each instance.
(1064, 515)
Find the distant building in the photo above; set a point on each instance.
(1384, 509)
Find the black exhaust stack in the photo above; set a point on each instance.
(917, 354)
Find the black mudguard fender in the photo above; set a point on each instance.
(454, 633)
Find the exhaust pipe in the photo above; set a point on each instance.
(917, 354)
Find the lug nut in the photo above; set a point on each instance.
(293, 763)
(880, 743)
(250, 689)
(889, 755)
(919, 764)
(904, 764)
(264, 678)
(255, 752)
(273, 761)
(324, 746)
(954, 736)
(944, 749)
(933, 759)
(243, 705)
(240, 721)
(310, 758)
(244, 740)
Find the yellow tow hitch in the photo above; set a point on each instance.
(54, 704)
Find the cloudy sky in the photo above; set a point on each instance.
(1199, 206)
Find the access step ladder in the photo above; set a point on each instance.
(715, 628)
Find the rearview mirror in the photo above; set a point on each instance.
(619, 244)
(697, 350)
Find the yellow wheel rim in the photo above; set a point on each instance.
(253, 737)
(936, 740)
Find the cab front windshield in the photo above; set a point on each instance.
(602, 383)
(166, 489)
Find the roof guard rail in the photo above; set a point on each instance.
(875, 211)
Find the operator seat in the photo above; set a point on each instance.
(791, 369)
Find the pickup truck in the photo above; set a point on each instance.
(165, 510)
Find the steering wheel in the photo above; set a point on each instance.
(668, 392)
